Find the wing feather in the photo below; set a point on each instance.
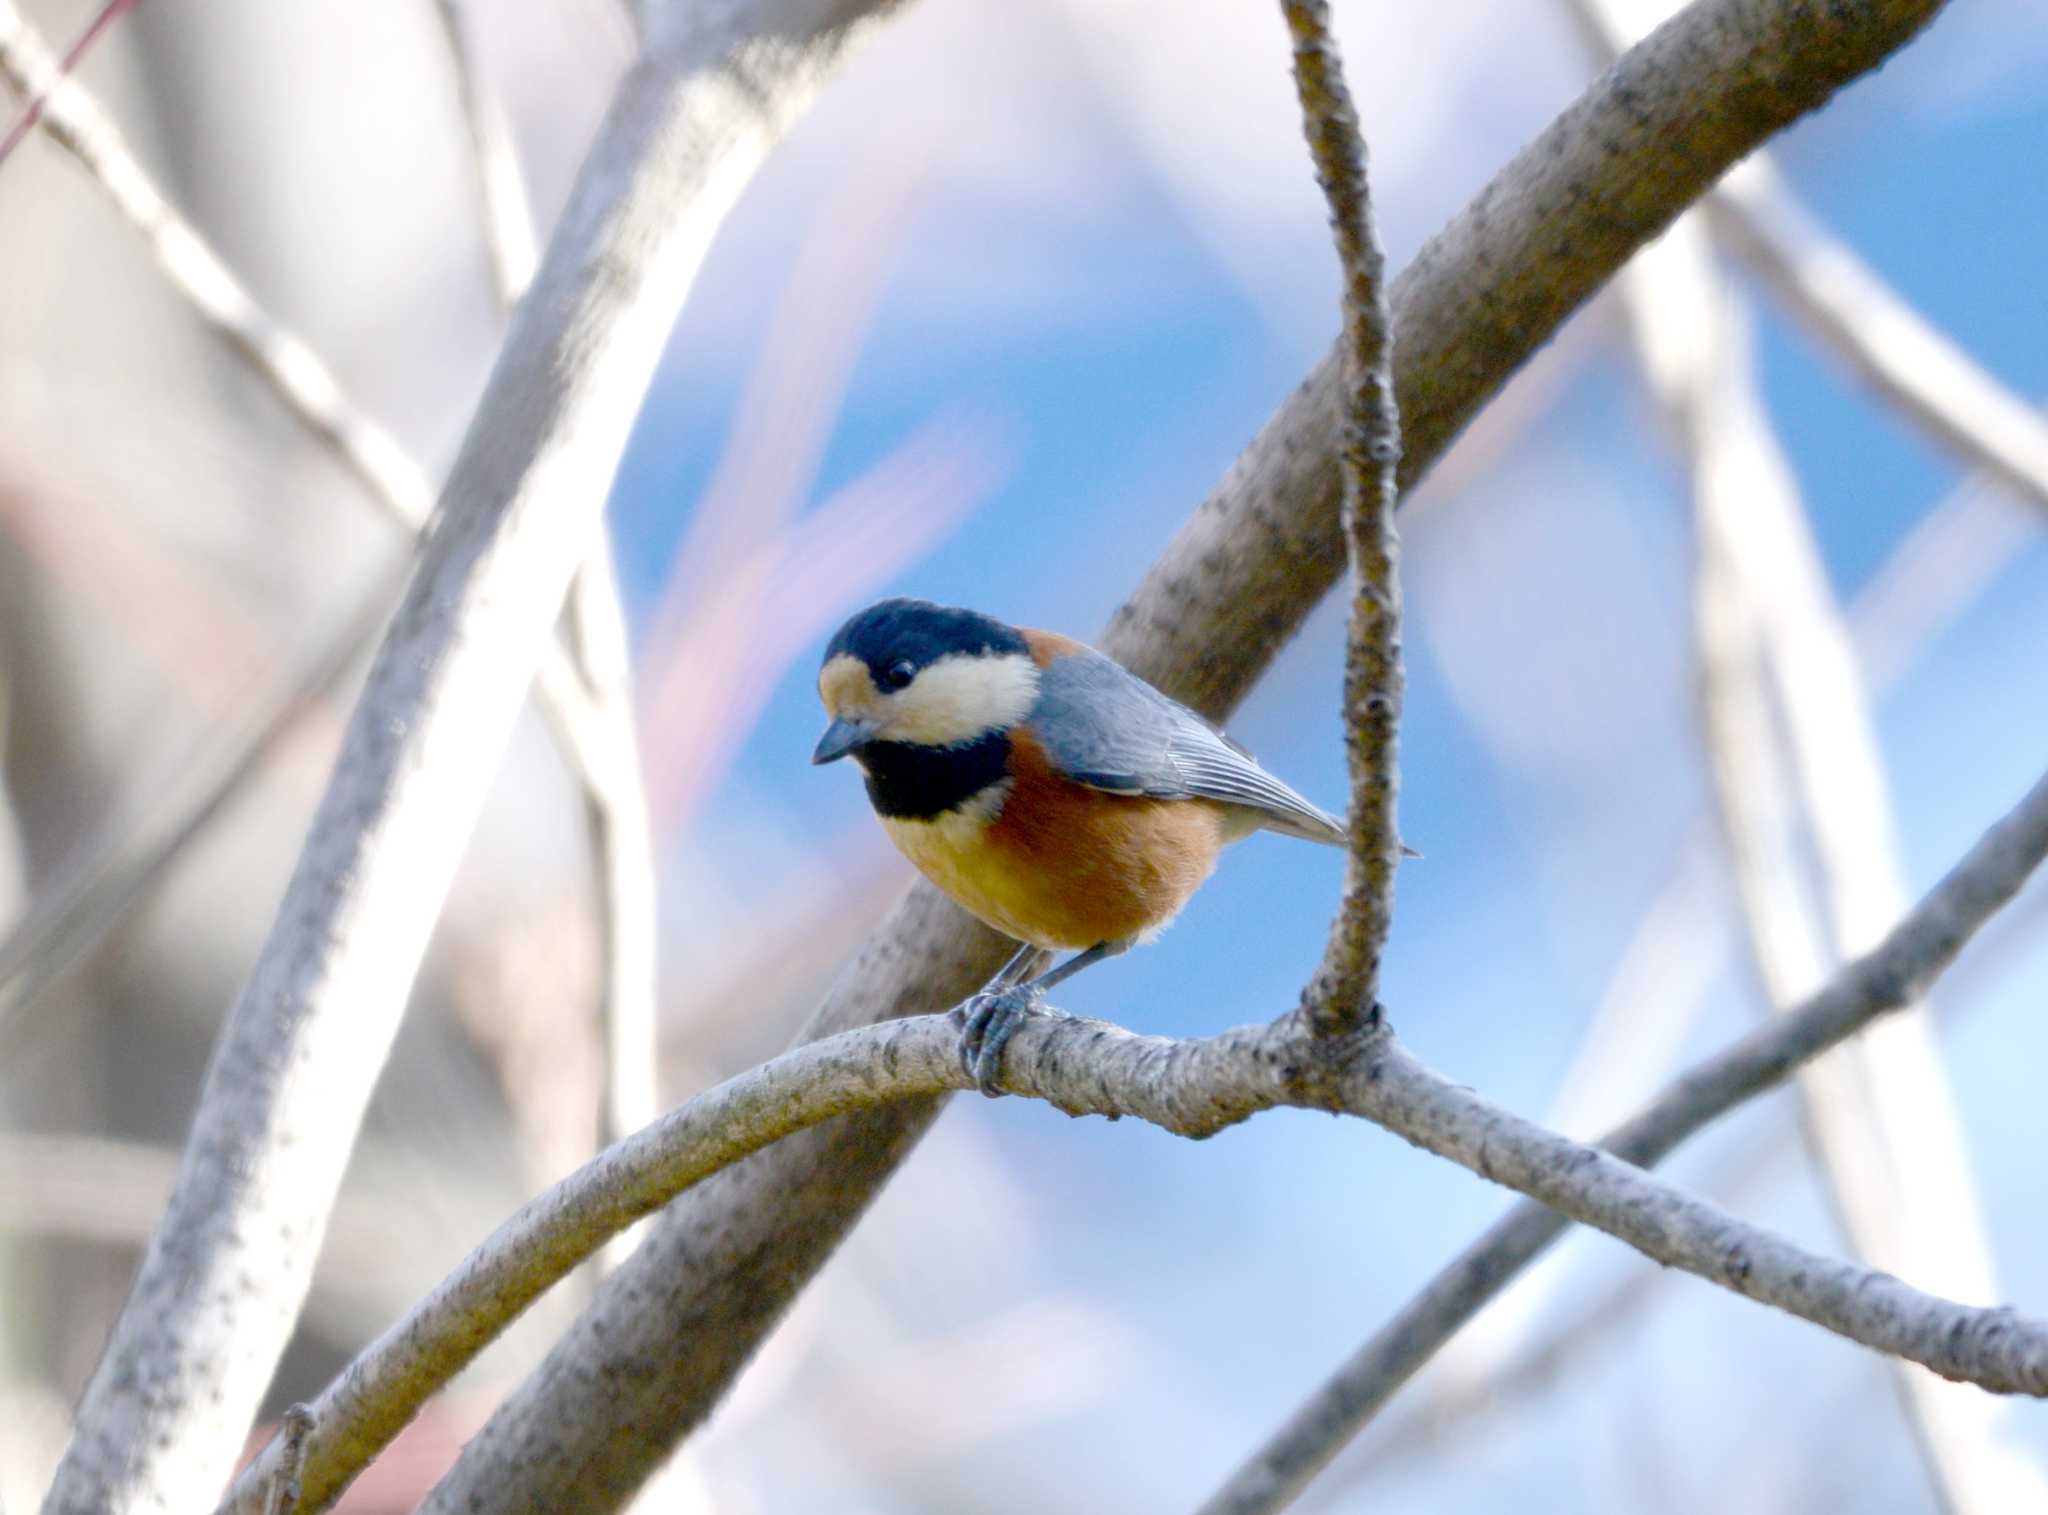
(1103, 726)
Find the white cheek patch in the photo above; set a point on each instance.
(960, 698)
(846, 689)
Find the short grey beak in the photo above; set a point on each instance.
(840, 738)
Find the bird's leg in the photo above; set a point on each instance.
(992, 1017)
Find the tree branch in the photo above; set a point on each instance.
(1894, 974)
(667, 1335)
(1882, 1120)
(587, 696)
(224, 1276)
(1878, 336)
(1346, 986)
(594, 729)
(1196, 1088)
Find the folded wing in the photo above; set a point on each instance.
(1105, 727)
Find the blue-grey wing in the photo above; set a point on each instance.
(1103, 726)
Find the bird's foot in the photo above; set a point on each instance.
(987, 1022)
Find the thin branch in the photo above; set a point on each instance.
(103, 882)
(1971, 1459)
(283, 1493)
(1880, 338)
(622, 845)
(1842, 300)
(667, 1336)
(501, 187)
(200, 1335)
(309, 389)
(81, 126)
(1346, 986)
(1931, 577)
(1198, 1087)
(37, 100)
(1881, 1117)
(1896, 973)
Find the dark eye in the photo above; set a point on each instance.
(899, 675)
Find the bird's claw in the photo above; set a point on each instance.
(988, 1021)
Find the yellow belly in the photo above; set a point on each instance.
(1094, 868)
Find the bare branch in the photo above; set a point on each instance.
(1368, 459)
(1196, 1088)
(669, 1333)
(201, 1333)
(37, 100)
(622, 844)
(77, 122)
(1896, 973)
(1882, 1118)
(593, 718)
(501, 187)
(1938, 570)
(106, 879)
(1881, 339)
(283, 1493)
(585, 726)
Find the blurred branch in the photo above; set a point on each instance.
(1931, 575)
(1916, 951)
(1842, 300)
(1882, 339)
(593, 718)
(103, 881)
(86, 1188)
(622, 845)
(202, 1331)
(501, 187)
(1345, 989)
(1930, 578)
(1430, 1423)
(36, 101)
(81, 126)
(309, 389)
(1197, 1087)
(1881, 1117)
(669, 1332)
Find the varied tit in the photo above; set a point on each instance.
(1054, 794)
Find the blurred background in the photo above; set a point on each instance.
(986, 329)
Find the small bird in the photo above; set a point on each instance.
(1050, 791)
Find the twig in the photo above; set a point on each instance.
(201, 1333)
(1896, 973)
(1346, 986)
(1195, 1088)
(283, 1493)
(37, 100)
(666, 1337)
(501, 187)
(622, 846)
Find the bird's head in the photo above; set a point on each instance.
(925, 675)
